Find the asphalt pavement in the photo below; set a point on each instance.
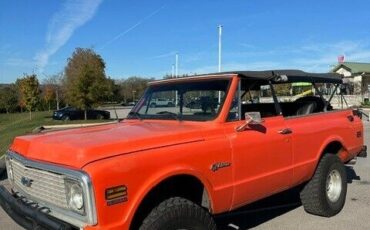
(284, 210)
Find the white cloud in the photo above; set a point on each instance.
(315, 57)
(312, 57)
(62, 26)
(322, 57)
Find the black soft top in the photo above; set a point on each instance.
(282, 76)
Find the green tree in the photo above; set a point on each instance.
(9, 98)
(115, 91)
(133, 88)
(29, 91)
(54, 83)
(85, 79)
(48, 95)
(283, 89)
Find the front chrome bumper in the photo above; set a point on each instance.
(28, 216)
(40, 190)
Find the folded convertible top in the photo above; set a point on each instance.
(289, 76)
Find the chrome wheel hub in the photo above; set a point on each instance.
(333, 185)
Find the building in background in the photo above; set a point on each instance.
(357, 78)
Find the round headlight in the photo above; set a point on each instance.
(76, 200)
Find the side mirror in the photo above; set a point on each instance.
(253, 118)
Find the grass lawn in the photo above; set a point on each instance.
(15, 124)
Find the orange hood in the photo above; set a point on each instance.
(78, 147)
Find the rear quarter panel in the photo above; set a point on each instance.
(312, 134)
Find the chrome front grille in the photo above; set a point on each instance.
(39, 185)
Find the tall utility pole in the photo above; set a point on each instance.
(176, 74)
(219, 47)
(57, 95)
(177, 65)
(219, 56)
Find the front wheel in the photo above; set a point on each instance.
(99, 117)
(178, 213)
(66, 118)
(325, 194)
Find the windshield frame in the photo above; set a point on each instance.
(179, 117)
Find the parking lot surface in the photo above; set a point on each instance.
(284, 210)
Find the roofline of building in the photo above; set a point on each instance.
(343, 64)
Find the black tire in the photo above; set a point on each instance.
(99, 117)
(315, 194)
(178, 213)
(66, 118)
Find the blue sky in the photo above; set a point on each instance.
(141, 37)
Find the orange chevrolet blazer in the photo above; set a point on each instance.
(224, 141)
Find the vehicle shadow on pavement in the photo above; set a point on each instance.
(351, 174)
(259, 212)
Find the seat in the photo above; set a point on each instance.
(306, 108)
(310, 104)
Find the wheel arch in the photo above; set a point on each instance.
(197, 190)
(334, 145)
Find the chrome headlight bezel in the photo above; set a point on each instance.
(9, 169)
(75, 196)
(79, 219)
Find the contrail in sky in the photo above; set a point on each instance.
(72, 15)
(118, 36)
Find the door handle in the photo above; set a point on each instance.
(350, 118)
(285, 131)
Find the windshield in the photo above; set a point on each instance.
(191, 100)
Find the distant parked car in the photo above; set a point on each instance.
(202, 103)
(71, 113)
(161, 102)
(130, 103)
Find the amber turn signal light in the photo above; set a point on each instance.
(116, 194)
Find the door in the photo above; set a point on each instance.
(262, 159)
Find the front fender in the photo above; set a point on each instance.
(141, 172)
(165, 173)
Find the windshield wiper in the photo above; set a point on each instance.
(171, 114)
(134, 114)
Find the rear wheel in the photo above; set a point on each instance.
(178, 213)
(325, 194)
